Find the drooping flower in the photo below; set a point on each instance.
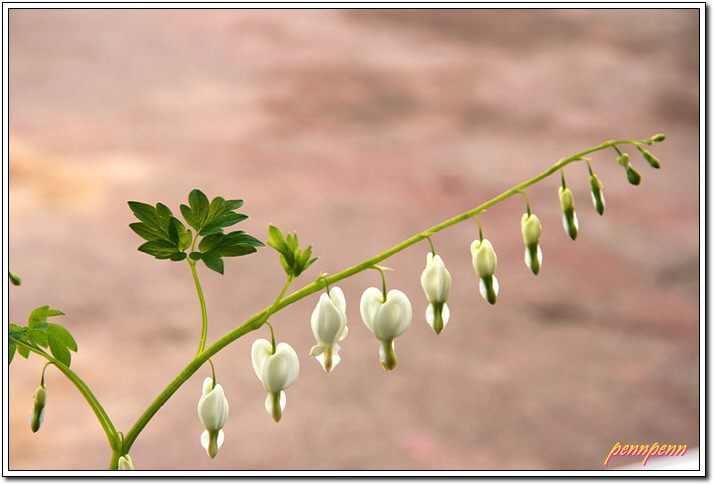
(38, 408)
(387, 318)
(436, 281)
(484, 260)
(277, 370)
(213, 412)
(570, 218)
(125, 463)
(531, 229)
(597, 194)
(329, 325)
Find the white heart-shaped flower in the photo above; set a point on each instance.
(277, 371)
(213, 406)
(435, 279)
(387, 319)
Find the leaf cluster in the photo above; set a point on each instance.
(168, 238)
(294, 260)
(40, 333)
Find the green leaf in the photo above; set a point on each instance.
(145, 213)
(41, 314)
(61, 342)
(198, 202)
(23, 351)
(37, 336)
(195, 256)
(213, 261)
(146, 231)
(62, 336)
(159, 249)
(12, 346)
(225, 220)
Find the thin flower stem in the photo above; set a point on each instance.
(204, 313)
(102, 416)
(257, 320)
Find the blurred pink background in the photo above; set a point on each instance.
(358, 129)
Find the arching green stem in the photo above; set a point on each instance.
(260, 318)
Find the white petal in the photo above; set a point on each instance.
(343, 334)
(213, 409)
(269, 402)
(445, 314)
(327, 321)
(369, 305)
(204, 439)
(317, 350)
(260, 352)
(436, 280)
(281, 369)
(207, 385)
(338, 298)
(393, 317)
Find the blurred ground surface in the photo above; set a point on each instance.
(358, 129)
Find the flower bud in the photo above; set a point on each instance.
(484, 261)
(213, 412)
(570, 218)
(658, 137)
(436, 282)
(651, 159)
(14, 279)
(38, 409)
(329, 326)
(387, 318)
(125, 463)
(276, 370)
(597, 195)
(624, 159)
(531, 229)
(633, 176)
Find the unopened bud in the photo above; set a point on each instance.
(633, 176)
(570, 218)
(14, 279)
(125, 463)
(531, 229)
(658, 137)
(38, 409)
(596, 192)
(651, 159)
(624, 160)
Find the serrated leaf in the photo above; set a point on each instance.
(41, 314)
(146, 231)
(159, 249)
(145, 213)
(233, 204)
(60, 352)
(198, 202)
(213, 261)
(225, 220)
(210, 242)
(23, 351)
(62, 336)
(164, 214)
(37, 336)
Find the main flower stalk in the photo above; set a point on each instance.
(260, 318)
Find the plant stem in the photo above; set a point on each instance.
(204, 313)
(260, 318)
